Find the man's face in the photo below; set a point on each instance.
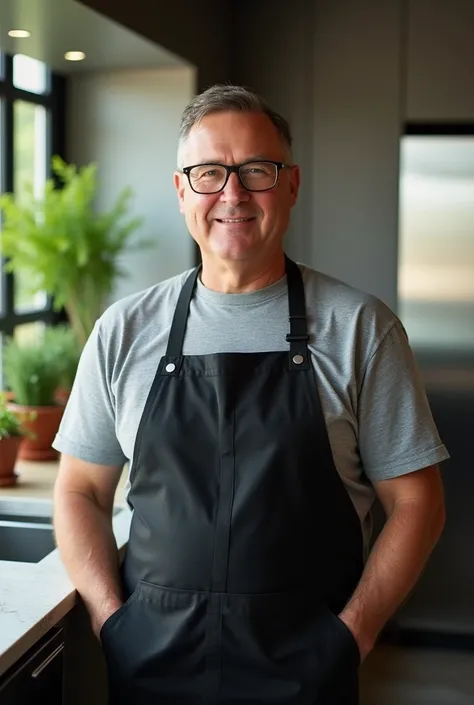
(234, 138)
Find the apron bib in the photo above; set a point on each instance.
(244, 544)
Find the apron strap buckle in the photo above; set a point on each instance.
(293, 338)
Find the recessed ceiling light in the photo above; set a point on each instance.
(19, 33)
(74, 55)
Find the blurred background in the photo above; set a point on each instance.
(380, 99)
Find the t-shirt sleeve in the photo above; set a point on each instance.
(87, 429)
(397, 433)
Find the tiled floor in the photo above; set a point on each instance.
(390, 675)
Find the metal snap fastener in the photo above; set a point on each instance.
(170, 367)
(298, 359)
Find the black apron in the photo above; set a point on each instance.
(244, 544)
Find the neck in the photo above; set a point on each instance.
(241, 277)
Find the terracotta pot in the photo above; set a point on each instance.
(8, 454)
(62, 396)
(44, 427)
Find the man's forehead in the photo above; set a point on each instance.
(250, 135)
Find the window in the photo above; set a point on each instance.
(30, 165)
(2, 163)
(30, 74)
(32, 101)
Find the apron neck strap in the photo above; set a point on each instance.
(180, 318)
(299, 358)
(297, 337)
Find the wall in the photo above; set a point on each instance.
(357, 105)
(128, 122)
(199, 32)
(440, 60)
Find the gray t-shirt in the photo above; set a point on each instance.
(377, 415)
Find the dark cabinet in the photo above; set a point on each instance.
(37, 677)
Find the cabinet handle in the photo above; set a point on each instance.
(47, 661)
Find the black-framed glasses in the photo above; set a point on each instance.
(254, 176)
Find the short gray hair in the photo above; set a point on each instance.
(226, 97)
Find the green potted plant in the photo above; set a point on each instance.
(64, 345)
(67, 249)
(11, 435)
(33, 373)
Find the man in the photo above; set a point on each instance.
(261, 405)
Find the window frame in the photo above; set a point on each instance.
(54, 101)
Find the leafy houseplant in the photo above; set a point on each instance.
(33, 373)
(11, 435)
(66, 248)
(64, 346)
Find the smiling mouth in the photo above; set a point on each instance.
(234, 220)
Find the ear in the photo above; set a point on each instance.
(295, 180)
(179, 184)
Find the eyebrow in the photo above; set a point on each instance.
(252, 158)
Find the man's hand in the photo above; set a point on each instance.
(99, 617)
(364, 641)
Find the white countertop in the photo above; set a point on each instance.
(35, 596)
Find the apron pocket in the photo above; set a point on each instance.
(349, 638)
(285, 648)
(116, 615)
(156, 647)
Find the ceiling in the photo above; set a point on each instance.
(58, 26)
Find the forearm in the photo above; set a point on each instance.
(88, 550)
(393, 568)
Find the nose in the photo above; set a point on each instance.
(234, 193)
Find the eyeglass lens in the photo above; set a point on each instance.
(256, 176)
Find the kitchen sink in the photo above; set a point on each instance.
(26, 529)
(26, 542)
(28, 518)
(33, 511)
